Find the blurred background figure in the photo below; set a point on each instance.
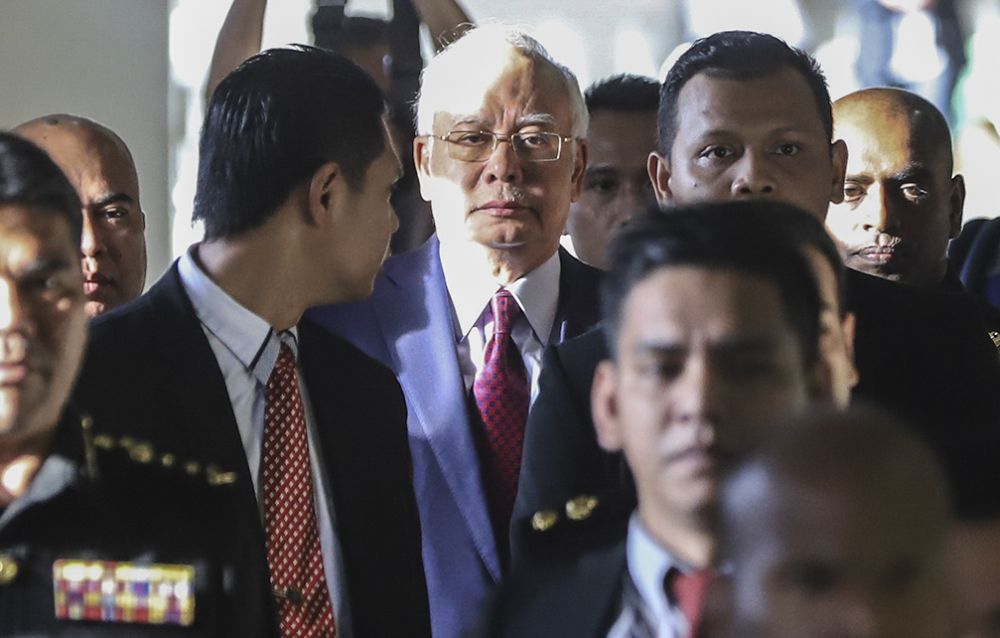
(782, 18)
(100, 167)
(918, 45)
(621, 135)
(389, 50)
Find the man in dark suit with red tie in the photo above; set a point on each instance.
(712, 316)
(296, 169)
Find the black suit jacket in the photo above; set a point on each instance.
(150, 372)
(573, 584)
(924, 355)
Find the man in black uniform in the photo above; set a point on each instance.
(925, 355)
(715, 342)
(99, 536)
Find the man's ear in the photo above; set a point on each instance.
(422, 162)
(326, 187)
(658, 168)
(579, 168)
(956, 206)
(604, 406)
(838, 161)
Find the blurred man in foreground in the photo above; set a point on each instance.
(82, 511)
(838, 527)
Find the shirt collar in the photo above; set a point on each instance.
(58, 470)
(249, 338)
(648, 564)
(471, 290)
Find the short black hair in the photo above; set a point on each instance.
(272, 122)
(28, 177)
(745, 236)
(624, 92)
(738, 55)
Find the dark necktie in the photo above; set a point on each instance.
(688, 590)
(293, 548)
(501, 393)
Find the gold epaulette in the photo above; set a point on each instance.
(143, 453)
(576, 509)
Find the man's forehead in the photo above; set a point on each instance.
(780, 100)
(716, 300)
(521, 88)
(487, 118)
(888, 141)
(87, 154)
(622, 132)
(28, 234)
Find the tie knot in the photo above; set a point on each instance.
(286, 359)
(505, 311)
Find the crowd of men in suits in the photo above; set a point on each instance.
(724, 433)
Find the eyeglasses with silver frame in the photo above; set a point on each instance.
(477, 146)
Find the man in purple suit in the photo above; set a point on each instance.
(463, 319)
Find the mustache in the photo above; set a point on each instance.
(512, 194)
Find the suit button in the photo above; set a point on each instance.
(8, 569)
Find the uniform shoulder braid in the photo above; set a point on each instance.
(117, 538)
(104, 452)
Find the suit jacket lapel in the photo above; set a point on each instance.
(417, 319)
(580, 598)
(193, 377)
(578, 308)
(600, 585)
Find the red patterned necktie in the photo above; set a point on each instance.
(688, 590)
(293, 549)
(501, 393)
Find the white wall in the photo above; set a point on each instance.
(107, 60)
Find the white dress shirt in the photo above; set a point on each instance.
(537, 293)
(246, 349)
(648, 563)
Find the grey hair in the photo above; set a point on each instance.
(466, 54)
